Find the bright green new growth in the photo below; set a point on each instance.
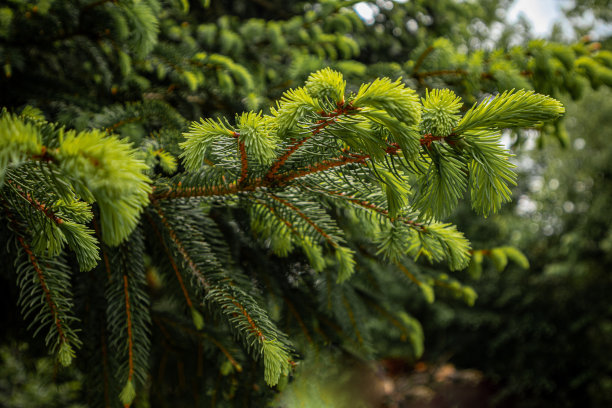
(394, 163)
(372, 128)
(440, 112)
(18, 140)
(254, 130)
(106, 169)
(394, 98)
(326, 84)
(511, 110)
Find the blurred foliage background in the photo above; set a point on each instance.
(543, 334)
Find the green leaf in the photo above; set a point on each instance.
(255, 132)
(490, 171)
(199, 140)
(65, 354)
(440, 112)
(18, 141)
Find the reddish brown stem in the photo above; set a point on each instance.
(281, 160)
(36, 204)
(371, 206)
(325, 165)
(117, 125)
(422, 57)
(129, 327)
(321, 124)
(45, 288)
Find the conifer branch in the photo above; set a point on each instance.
(287, 223)
(281, 160)
(331, 118)
(218, 292)
(179, 278)
(367, 205)
(43, 284)
(310, 222)
(42, 208)
(180, 247)
(323, 166)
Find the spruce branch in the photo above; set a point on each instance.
(45, 291)
(241, 311)
(128, 316)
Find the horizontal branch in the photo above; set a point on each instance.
(368, 205)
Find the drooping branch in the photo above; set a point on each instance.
(42, 281)
(199, 275)
(39, 274)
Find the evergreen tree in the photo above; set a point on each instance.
(178, 247)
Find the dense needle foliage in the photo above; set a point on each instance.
(180, 250)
